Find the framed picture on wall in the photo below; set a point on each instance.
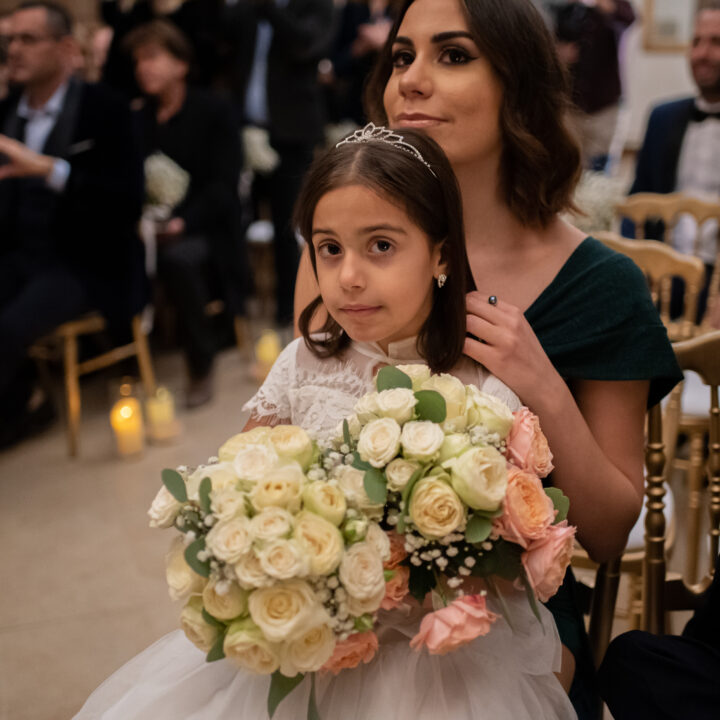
(668, 25)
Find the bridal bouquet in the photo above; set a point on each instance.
(456, 475)
(280, 570)
(166, 183)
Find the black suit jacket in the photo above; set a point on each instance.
(93, 222)
(301, 37)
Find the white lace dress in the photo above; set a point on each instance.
(506, 675)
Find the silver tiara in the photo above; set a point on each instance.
(377, 133)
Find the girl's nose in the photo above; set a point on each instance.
(351, 274)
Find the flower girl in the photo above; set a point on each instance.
(382, 216)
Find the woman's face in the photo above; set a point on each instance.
(442, 85)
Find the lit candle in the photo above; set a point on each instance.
(160, 410)
(126, 420)
(267, 350)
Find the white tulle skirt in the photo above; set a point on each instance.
(507, 674)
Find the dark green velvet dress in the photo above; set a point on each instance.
(596, 321)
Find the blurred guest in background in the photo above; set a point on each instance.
(70, 201)
(4, 32)
(198, 245)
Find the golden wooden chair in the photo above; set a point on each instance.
(663, 591)
(66, 335)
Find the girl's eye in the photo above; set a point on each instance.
(329, 249)
(402, 58)
(381, 247)
(455, 56)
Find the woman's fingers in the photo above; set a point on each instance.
(484, 330)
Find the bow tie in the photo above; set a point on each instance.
(699, 115)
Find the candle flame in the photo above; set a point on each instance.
(126, 411)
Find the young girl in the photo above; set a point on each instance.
(382, 216)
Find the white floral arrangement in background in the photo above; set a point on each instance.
(596, 195)
(166, 183)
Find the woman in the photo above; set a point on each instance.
(573, 332)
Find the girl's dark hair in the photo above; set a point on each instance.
(540, 162)
(432, 202)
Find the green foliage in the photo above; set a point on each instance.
(421, 582)
(175, 484)
(389, 378)
(201, 567)
(430, 406)
(313, 713)
(346, 434)
(503, 560)
(375, 485)
(280, 688)
(217, 651)
(359, 463)
(478, 529)
(204, 494)
(406, 495)
(560, 501)
(210, 620)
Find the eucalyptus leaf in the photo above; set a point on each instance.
(478, 529)
(488, 514)
(280, 687)
(204, 494)
(217, 651)
(430, 406)
(389, 378)
(313, 713)
(346, 434)
(175, 484)
(210, 620)
(406, 495)
(388, 575)
(359, 463)
(201, 567)
(375, 485)
(560, 501)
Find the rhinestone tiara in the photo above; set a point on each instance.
(376, 133)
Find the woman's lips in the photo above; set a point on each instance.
(417, 120)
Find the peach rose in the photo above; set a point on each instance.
(360, 647)
(397, 550)
(528, 512)
(396, 589)
(527, 446)
(457, 624)
(546, 561)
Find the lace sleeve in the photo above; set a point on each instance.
(273, 399)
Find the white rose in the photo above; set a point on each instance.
(479, 477)
(488, 411)
(325, 500)
(198, 632)
(247, 647)
(221, 476)
(398, 404)
(286, 611)
(292, 443)
(164, 509)
(224, 600)
(320, 540)
(307, 653)
(361, 571)
(421, 440)
(257, 436)
(281, 487)
(417, 372)
(249, 572)
(454, 393)
(181, 579)
(435, 508)
(271, 524)
(358, 608)
(230, 540)
(453, 445)
(352, 483)
(379, 442)
(283, 559)
(253, 462)
(378, 538)
(227, 503)
(366, 408)
(399, 472)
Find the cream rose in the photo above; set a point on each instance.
(479, 477)
(283, 559)
(417, 372)
(366, 408)
(307, 653)
(488, 411)
(164, 509)
(249, 572)
(227, 503)
(379, 442)
(453, 391)
(246, 647)
(198, 632)
(325, 500)
(435, 508)
(286, 611)
(229, 541)
(231, 447)
(254, 462)
(421, 440)
(351, 482)
(399, 472)
(292, 443)
(398, 404)
(181, 579)
(453, 445)
(281, 487)
(221, 476)
(379, 539)
(320, 540)
(271, 524)
(367, 606)
(224, 600)
(361, 571)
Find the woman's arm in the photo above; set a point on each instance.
(596, 431)
(306, 290)
(264, 421)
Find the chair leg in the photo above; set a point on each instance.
(602, 610)
(147, 374)
(72, 392)
(242, 334)
(695, 491)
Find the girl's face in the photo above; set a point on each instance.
(442, 85)
(375, 267)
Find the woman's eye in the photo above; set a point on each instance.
(455, 56)
(329, 249)
(402, 58)
(380, 247)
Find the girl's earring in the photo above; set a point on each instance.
(442, 279)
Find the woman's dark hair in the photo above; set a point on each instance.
(164, 34)
(431, 201)
(540, 162)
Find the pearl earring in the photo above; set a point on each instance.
(442, 279)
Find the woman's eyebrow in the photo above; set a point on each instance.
(438, 37)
